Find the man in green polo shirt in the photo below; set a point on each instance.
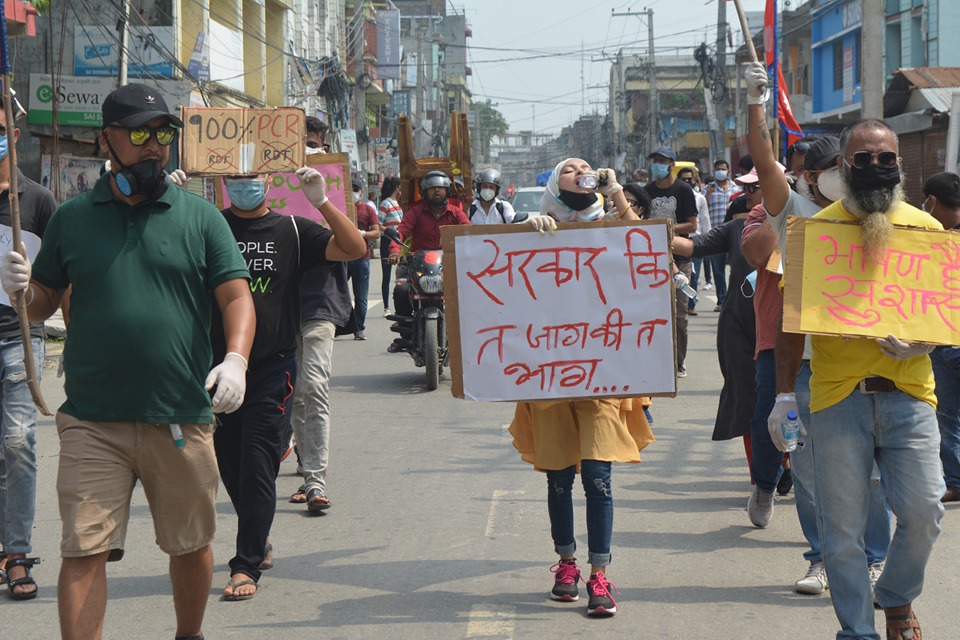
(145, 260)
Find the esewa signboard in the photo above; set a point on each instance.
(225, 142)
(832, 289)
(585, 312)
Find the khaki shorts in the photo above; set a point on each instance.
(100, 462)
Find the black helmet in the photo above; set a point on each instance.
(491, 176)
(435, 179)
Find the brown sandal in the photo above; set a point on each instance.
(902, 623)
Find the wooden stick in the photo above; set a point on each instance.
(745, 27)
(33, 382)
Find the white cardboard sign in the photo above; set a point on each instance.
(586, 312)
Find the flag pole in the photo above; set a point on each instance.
(32, 381)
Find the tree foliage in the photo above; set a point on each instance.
(491, 122)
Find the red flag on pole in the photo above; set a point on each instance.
(781, 109)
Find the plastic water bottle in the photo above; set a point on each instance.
(791, 430)
(684, 286)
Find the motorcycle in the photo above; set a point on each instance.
(424, 334)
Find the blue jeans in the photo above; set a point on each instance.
(359, 272)
(718, 264)
(876, 539)
(899, 433)
(765, 462)
(946, 370)
(18, 446)
(595, 476)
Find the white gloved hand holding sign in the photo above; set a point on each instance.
(230, 379)
(895, 348)
(785, 403)
(15, 271)
(543, 223)
(313, 185)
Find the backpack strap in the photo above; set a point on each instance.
(296, 232)
(500, 209)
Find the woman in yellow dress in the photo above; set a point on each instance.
(566, 437)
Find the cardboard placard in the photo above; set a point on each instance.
(284, 195)
(228, 142)
(831, 289)
(585, 312)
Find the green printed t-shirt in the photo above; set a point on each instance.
(143, 276)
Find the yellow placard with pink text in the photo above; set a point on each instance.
(831, 288)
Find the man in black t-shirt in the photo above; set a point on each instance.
(18, 450)
(671, 199)
(250, 442)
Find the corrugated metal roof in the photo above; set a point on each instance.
(930, 77)
(897, 98)
(936, 98)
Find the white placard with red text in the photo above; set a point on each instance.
(586, 312)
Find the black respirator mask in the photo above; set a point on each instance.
(146, 178)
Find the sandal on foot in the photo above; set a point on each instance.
(902, 623)
(12, 584)
(233, 597)
(300, 496)
(267, 559)
(316, 501)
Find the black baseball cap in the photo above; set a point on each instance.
(822, 154)
(134, 105)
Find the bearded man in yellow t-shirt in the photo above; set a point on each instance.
(873, 400)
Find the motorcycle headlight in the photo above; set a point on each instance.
(431, 284)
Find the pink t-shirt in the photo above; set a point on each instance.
(767, 300)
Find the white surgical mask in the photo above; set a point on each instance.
(356, 197)
(721, 175)
(487, 194)
(830, 184)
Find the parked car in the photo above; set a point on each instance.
(528, 199)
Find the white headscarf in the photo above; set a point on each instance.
(551, 205)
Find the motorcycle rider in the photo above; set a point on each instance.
(422, 221)
(488, 208)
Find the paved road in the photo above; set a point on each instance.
(439, 531)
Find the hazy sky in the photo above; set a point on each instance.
(546, 92)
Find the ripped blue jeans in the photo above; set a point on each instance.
(595, 476)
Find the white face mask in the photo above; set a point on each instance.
(356, 197)
(830, 184)
(487, 194)
(923, 205)
(721, 175)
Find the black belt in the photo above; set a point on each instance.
(876, 384)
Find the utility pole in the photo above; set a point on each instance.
(871, 52)
(653, 107)
(721, 135)
(361, 123)
(123, 55)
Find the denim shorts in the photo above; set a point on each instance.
(100, 463)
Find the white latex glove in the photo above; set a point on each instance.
(179, 178)
(15, 271)
(543, 223)
(681, 279)
(755, 75)
(785, 403)
(313, 185)
(609, 179)
(230, 378)
(894, 348)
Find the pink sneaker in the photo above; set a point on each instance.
(601, 601)
(566, 577)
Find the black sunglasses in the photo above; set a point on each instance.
(752, 187)
(863, 159)
(799, 147)
(139, 136)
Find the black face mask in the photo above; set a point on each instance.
(146, 178)
(577, 201)
(874, 177)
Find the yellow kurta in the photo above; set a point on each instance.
(555, 435)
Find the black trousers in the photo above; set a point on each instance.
(249, 443)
